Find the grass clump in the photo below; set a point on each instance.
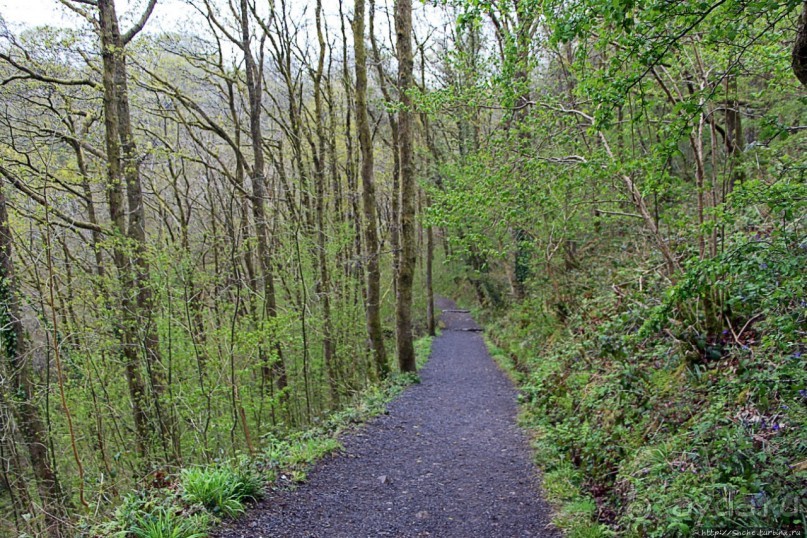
(168, 522)
(155, 514)
(189, 504)
(221, 490)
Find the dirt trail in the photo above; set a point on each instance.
(447, 461)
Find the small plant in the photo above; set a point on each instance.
(307, 451)
(250, 483)
(154, 516)
(168, 523)
(133, 506)
(217, 489)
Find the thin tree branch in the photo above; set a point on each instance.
(19, 185)
(35, 75)
(134, 30)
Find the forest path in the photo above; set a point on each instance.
(447, 461)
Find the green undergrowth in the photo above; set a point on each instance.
(574, 509)
(646, 424)
(188, 504)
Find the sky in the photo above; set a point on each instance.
(51, 12)
(171, 15)
(176, 14)
(167, 15)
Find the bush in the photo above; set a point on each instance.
(651, 435)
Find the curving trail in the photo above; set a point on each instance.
(447, 461)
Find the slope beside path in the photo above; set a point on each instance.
(447, 461)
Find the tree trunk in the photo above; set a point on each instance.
(324, 284)
(799, 56)
(394, 222)
(406, 271)
(734, 133)
(111, 52)
(373, 252)
(430, 321)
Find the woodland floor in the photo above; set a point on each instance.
(447, 461)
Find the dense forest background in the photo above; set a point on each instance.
(215, 237)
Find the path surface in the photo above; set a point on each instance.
(447, 461)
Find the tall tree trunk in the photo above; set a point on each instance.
(734, 133)
(373, 308)
(394, 222)
(143, 313)
(324, 284)
(430, 315)
(352, 164)
(406, 271)
(111, 52)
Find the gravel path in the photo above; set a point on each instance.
(447, 461)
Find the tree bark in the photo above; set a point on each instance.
(406, 271)
(394, 221)
(111, 53)
(373, 252)
(799, 55)
(430, 315)
(324, 284)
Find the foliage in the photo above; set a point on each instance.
(217, 489)
(155, 515)
(619, 184)
(757, 278)
(658, 435)
(659, 444)
(194, 316)
(164, 523)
